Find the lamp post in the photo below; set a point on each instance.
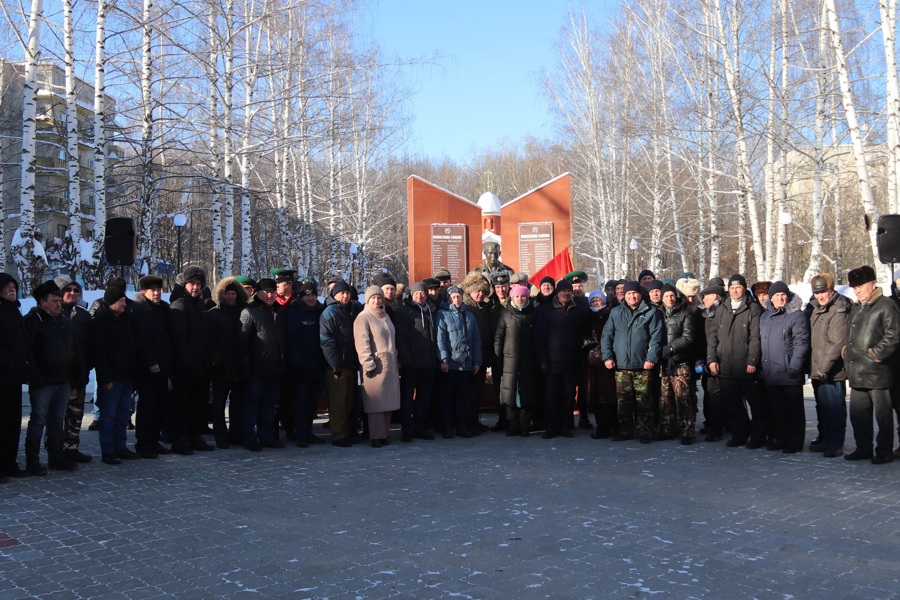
(633, 246)
(179, 221)
(785, 218)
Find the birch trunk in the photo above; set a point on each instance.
(216, 208)
(888, 10)
(100, 153)
(72, 138)
(818, 204)
(145, 226)
(867, 198)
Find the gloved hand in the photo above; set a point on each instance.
(155, 369)
(371, 374)
(337, 374)
(666, 352)
(170, 386)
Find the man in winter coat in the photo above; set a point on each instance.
(76, 313)
(711, 299)
(336, 339)
(873, 339)
(477, 289)
(57, 364)
(155, 368)
(632, 345)
(190, 339)
(560, 328)
(15, 364)
(784, 345)
(829, 319)
(263, 355)
(676, 411)
(225, 361)
(499, 300)
(459, 350)
(114, 355)
(417, 351)
(305, 360)
(733, 353)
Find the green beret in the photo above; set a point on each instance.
(245, 281)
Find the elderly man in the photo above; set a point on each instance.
(305, 360)
(713, 403)
(631, 344)
(417, 348)
(829, 319)
(388, 286)
(733, 353)
(336, 338)
(14, 369)
(873, 340)
(500, 283)
(57, 365)
(190, 339)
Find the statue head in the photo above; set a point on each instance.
(491, 252)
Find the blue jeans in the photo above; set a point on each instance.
(48, 409)
(116, 407)
(831, 402)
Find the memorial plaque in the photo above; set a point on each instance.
(535, 246)
(449, 249)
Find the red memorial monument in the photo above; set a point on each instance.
(447, 230)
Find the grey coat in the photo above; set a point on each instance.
(829, 325)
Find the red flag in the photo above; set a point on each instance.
(557, 268)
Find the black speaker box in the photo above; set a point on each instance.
(120, 241)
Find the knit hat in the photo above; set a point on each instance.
(632, 286)
(419, 286)
(564, 286)
(547, 279)
(117, 282)
(340, 286)
(373, 290)
(113, 294)
(596, 294)
(148, 282)
(519, 290)
(267, 284)
(62, 282)
(861, 275)
(646, 272)
(669, 288)
(779, 287)
(454, 290)
(737, 279)
(6, 278)
(688, 286)
(822, 282)
(609, 285)
(45, 289)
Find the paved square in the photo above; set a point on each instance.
(489, 517)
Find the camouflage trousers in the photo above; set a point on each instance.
(72, 421)
(635, 403)
(676, 410)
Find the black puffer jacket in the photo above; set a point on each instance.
(153, 337)
(873, 339)
(482, 314)
(733, 339)
(190, 337)
(15, 352)
(55, 355)
(681, 335)
(416, 335)
(225, 332)
(560, 332)
(829, 326)
(264, 349)
(113, 348)
(514, 343)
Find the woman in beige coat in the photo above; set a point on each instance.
(374, 336)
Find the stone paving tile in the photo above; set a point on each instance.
(490, 517)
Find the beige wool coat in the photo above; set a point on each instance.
(374, 336)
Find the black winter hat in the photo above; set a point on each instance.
(670, 288)
(646, 272)
(564, 285)
(718, 290)
(267, 284)
(383, 278)
(6, 278)
(656, 284)
(547, 279)
(340, 286)
(45, 289)
(112, 295)
(307, 287)
(632, 286)
(861, 275)
(737, 279)
(779, 287)
(116, 282)
(716, 281)
(149, 282)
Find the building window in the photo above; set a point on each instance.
(61, 231)
(90, 200)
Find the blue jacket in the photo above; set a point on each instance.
(336, 335)
(458, 338)
(633, 337)
(304, 346)
(785, 342)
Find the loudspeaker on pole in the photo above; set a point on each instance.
(120, 241)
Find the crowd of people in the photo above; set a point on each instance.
(252, 358)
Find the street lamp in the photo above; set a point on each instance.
(179, 221)
(633, 246)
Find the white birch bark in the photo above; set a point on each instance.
(867, 198)
(145, 222)
(100, 147)
(888, 10)
(72, 154)
(212, 74)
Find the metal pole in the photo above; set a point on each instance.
(179, 250)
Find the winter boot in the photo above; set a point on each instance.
(56, 458)
(524, 423)
(33, 456)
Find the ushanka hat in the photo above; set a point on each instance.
(861, 275)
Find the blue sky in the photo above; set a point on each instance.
(486, 86)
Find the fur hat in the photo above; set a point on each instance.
(688, 286)
(475, 281)
(148, 282)
(45, 289)
(373, 290)
(861, 275)
(194, 273)
(382, 278)
(761, 287)
(822, 282)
